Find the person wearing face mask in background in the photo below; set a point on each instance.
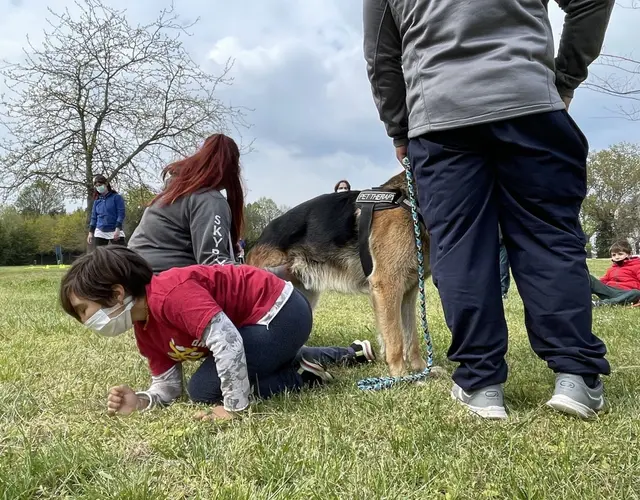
(621, 283)
(107, 215)
(246, 325)
(342, 187)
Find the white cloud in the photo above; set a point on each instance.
(295, 177)
(299, 65)
(258, 59)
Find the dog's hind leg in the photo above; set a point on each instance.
(311, 295)
(285, 273)
(386, 296)
(411, 340)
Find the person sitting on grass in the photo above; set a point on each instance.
(621, 283)
(246, 325)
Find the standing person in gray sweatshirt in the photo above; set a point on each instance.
(471, 93)
(190, 221)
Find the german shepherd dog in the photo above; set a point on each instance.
(317, 243)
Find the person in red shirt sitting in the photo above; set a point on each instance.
(247, 325)
(621, 283)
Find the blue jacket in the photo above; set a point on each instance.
(107, 213)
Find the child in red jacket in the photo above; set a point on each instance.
(621, 283)
(246, 325)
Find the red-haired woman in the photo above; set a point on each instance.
(190, 221)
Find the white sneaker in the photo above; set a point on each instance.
(487, 402)
(574, 397)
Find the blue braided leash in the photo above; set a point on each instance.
(379, 383)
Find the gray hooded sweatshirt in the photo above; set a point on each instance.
(445, 64)
(195, 229)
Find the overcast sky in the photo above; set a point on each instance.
(299, 66)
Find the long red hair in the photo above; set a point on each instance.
(216, 165)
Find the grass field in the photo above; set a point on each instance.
(56, 440)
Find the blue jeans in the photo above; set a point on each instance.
(528, 175)
(273, 354)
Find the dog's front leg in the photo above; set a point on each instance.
(387, 301)
(411, 340)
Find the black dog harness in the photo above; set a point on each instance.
(371, 200)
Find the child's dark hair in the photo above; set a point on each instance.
(94, 275)
(621, 246)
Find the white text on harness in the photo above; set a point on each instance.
(376, 197)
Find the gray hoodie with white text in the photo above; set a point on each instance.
(195, 229)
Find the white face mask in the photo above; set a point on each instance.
(342, 190)
(103, 324)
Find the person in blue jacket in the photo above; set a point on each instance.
(107, 215)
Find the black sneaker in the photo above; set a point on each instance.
(313, 373)
(364, 351)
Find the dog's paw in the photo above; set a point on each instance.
(438, 372)
(418, 365)
(398, 370)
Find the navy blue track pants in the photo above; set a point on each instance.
(529, 175)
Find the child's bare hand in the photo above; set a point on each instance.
(121, 400)
(215, 413)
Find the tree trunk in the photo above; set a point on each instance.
(89, 208)
(89, 205)
(604, 239)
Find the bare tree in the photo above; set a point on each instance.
(612, 205)
(619, 75)
(101, 95)
(40, 198)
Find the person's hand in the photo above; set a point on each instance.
(215, 413)
(401, 152)
(122, 400)
(116, 234)
(90, 238)
(567, 101)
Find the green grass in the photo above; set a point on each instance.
(405, 443)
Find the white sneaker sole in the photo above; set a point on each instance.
(565, 404)
(488, 412)
(368, 351)
(315, 369)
